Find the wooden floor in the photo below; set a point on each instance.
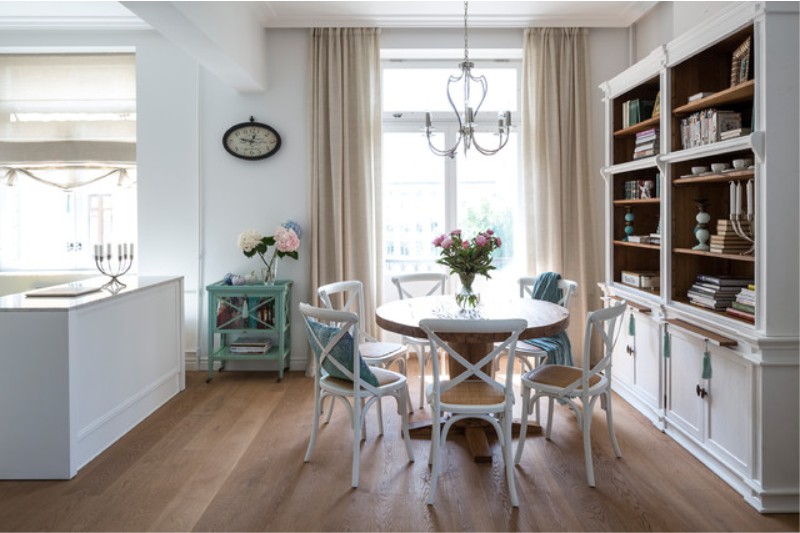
(228, 456)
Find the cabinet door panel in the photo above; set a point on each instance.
(648, 357)
(623, 360)
(685, 409)
(730, 408)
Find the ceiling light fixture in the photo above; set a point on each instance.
(467, 120)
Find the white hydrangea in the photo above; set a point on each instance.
(249, 239)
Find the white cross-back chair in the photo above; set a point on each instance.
(527, 352)
(569, 383)
(354, 392)
(374, 352)
(473, 393)
(413, 285)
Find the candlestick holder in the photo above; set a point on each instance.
(105, 266)
(744, 223)
(629, 218)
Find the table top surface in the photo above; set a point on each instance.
(544, 319)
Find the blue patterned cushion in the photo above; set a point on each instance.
(342, 352)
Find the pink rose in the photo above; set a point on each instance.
(438, 240)
(498, 241)
(455, 232)
(480, 240)
(447, 242)
(465, 245)
(489, 232)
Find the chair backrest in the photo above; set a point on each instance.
(324, 341)
(568, 288)
(440, 331)
(419, 284)
(607, 323)
(350, 294)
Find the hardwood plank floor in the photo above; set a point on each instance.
(228, 456)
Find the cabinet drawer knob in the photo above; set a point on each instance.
(701, 392)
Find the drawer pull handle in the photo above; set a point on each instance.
(701, 392)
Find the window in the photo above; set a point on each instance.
(67, 158)
(425, 195)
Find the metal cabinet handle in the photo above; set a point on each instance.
(701, 392)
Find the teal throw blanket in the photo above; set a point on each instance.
(558, 348)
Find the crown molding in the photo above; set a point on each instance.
(72, 23)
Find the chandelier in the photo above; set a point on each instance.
(467, 119)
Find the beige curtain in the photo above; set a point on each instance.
(556, 131)
(345, 159)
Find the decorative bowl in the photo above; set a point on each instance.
(719, 167)
(699, 170)
(741, 164)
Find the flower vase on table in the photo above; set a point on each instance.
(270, 273)
(467, 298)
(467, 258)
(286, 241)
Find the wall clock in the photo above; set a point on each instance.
(251, 140)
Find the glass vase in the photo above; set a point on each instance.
(467, 299)
(270, 273)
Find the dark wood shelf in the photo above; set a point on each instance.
(638, 201)
(734, 257)
(715, 178)
(644, 245)
(639, 126)
(732, 95)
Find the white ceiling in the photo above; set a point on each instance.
(293, 14)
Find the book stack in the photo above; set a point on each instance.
(707, 126)
(646, 143)
(640, 238)
(716, 292)
(726, 241)
(744, 306)
(732, 134)
(251, 344)
(698, 96)
(635, 111)
(655, 238)
(638, 189)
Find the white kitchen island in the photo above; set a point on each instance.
(77, 373)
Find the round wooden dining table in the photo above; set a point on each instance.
(544, 319)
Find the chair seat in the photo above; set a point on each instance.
(529, 350)
(375, 350)
(471, 393)
(557, 376)
(386, 378)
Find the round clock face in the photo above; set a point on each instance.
(251, 140)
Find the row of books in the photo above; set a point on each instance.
(716, 292)
(635, 111)
(638, 189)
(251, 344)
(707, 126)
(727, 241)
(744, 306)
(647, 143)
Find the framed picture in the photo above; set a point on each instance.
(657, 105)
(740, 63)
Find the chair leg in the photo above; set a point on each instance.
(435, 454)
(549, 417)
(587, 442)
(421, 359)
(401, 401)
(523, 427)
(330, 411)
(380, 417)
(315, 427)
(610, 422)
(512, 487)
(358, 417)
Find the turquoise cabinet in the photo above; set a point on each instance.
(244, 312)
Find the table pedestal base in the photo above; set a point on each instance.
(474, 430)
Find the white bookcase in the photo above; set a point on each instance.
(744, 421)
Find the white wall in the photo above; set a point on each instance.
(239, 194)
(670, 19)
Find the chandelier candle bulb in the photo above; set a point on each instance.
(738, 198)
(749, 198)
